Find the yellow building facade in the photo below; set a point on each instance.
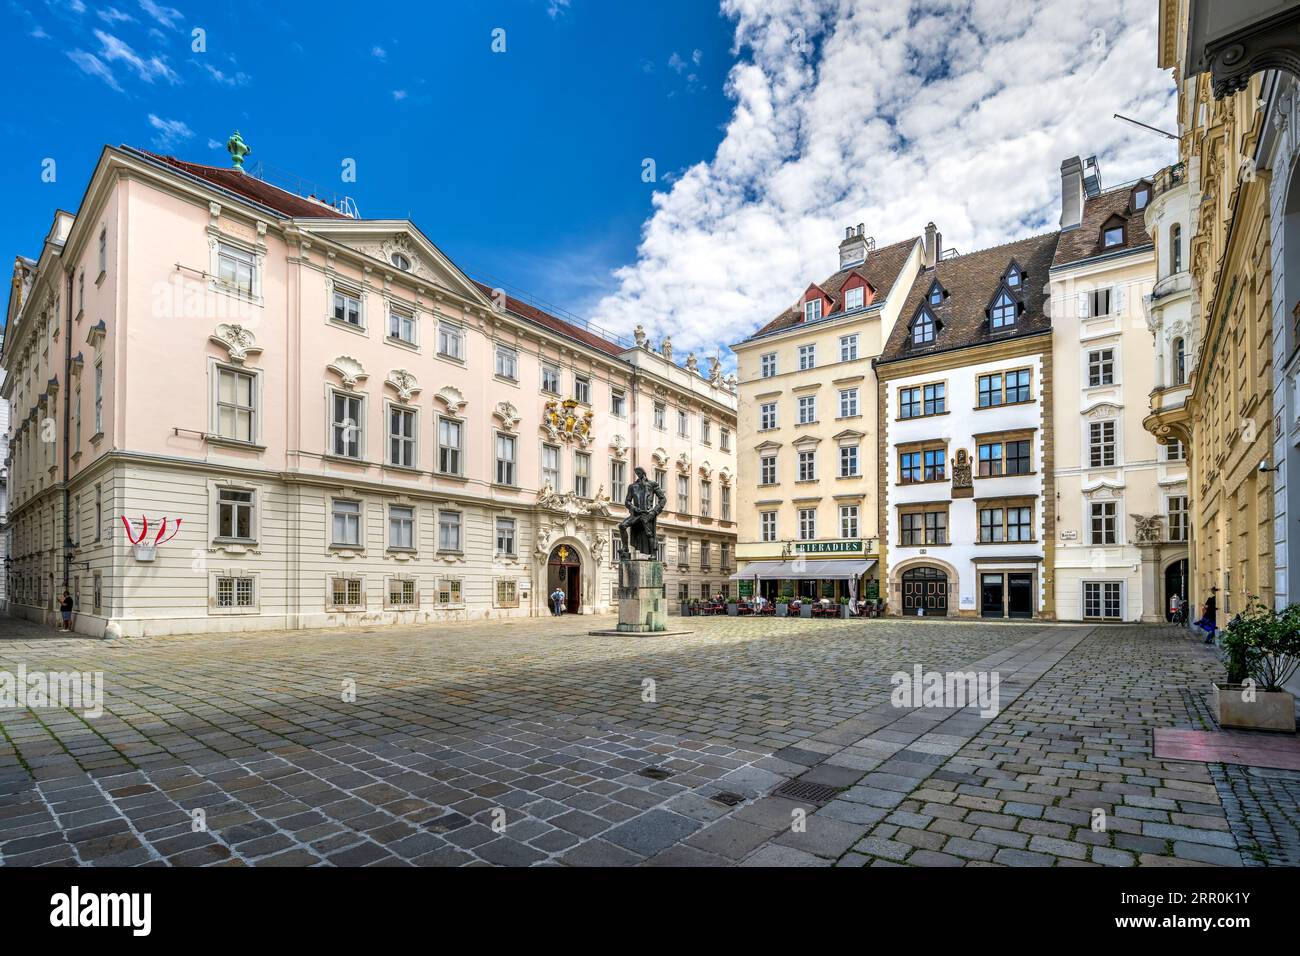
(1225, 420)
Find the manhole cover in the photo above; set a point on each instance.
(806, 792)
(727, 798)
(654, 773)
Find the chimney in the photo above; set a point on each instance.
(1071, 193)
(932, 251)
(855, 246)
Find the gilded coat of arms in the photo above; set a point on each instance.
(565, 421)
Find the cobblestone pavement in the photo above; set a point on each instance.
(531, 742)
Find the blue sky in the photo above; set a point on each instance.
(524, 164)
(772, 125)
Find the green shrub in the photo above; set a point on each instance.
(1263, 644)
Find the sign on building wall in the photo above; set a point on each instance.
(745, 587)
(828, 547)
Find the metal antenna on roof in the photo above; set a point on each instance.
(1144, 126)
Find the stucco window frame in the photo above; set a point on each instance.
(392, 550)
(234, 546)
(213, 436)
(257, 251)
(393, 306)
(389, 407)
(1117, 364)
(403, 577)
(363, 433)
(345, 549)
(333, 576)
(215, 574)
(359, 291)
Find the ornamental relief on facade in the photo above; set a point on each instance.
(452, 397)
(350, 371)
(618, 445)
(404, 383)
(507, 414)
(563, 421)
(239, 342)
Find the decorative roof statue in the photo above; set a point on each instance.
(692, 364)
(715, 370)
(666, 350)
(238, 149)
(639, 334)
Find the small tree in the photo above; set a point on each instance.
(1264, 645)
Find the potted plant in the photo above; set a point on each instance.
(782, 607)
(1261, 652)
(805, 608)
(845, 610)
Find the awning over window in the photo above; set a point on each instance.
(824, 570)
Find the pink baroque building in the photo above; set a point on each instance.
(239, 408)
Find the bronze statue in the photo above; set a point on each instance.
(644, 500)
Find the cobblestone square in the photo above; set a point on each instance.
(531, 742)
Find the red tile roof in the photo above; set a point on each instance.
(970, 283)
(880, 270)
(547, 321)
(1084, 241)
(253, 188)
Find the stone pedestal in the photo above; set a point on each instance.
(642, 606)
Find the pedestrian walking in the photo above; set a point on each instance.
(1210, 617)
(557, 601)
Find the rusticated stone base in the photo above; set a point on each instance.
(642, 605)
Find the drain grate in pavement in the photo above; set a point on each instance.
(727, 798)
(654, 773)
(807, 792)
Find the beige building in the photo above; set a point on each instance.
(807, 454)
(1122, 499)
(239, 408)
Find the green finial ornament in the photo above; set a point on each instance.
(238, 149)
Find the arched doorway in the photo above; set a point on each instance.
(564, 570)
(925, 588)
(1176, 583)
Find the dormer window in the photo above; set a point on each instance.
(853, 298)
(935, 295)
(1141, 195)
(924, 328)
(1013, 276)
(1112, 232)
(812, 310)
(1003, 313)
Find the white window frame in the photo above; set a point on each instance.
(807, 409)
(451, 340)
(849, 403)
(807, 465)
(582, 389)
(618, 402)
(849, 346)
(559, 467)
(1101, 599)
(767, 470)
(812, 310)
(360, 519)
(849, 522)
(218, 505)
(551, 371)
(216, 370)
(505, 362)
(767, 367)
(767, 419)
(855, 298)
(506, 469)
(445, 546)
(412, 441)
(400, 319)
(345, 291)
(582, 474)
(226, 248)
(850, 461)
(512, 550)
(807, 524)
(459, 426)
(807, 357)
(412, 519)
(333, 426)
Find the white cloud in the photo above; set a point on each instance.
(399, 95)
(847, 111)
(170, 133)
(115, 50)
(379, 53)
(94, 66)
(676, 62)
(697, 56)
(167, 16)
(556, 8)
(114, 15)
(237, 78)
